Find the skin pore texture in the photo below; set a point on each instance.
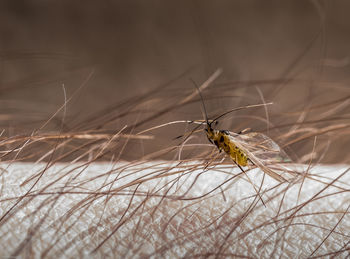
(167, 209)
(103, 148)
(71, 202)
(197, 204)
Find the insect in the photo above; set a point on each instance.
(248, 148)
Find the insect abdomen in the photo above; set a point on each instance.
(223, 142)
(237, 155)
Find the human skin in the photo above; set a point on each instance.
(75, 204)
(167, 209)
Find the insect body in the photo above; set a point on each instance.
(223, 140)
(250, 148)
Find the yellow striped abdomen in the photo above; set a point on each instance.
(222, 140)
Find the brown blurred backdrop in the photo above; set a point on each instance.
(118, 49)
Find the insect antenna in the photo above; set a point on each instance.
(205, 115)
(250, 181)
(240, 108)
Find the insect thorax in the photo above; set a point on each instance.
(222, 139)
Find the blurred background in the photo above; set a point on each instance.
(104, 53)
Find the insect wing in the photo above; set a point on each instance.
(264, 153)
(263, 147)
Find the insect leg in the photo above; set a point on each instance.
(257, 191)
(244, 131)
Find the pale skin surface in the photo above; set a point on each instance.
(184, 208)
(122, 210)
(193, 211)
(187, 209)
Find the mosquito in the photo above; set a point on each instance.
(248, 148)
